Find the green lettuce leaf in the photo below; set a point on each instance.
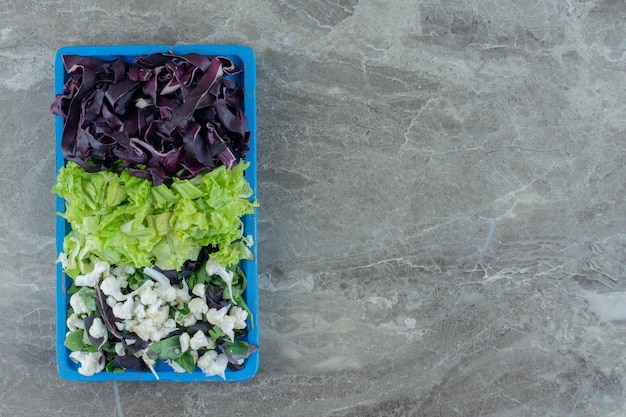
(127, 220)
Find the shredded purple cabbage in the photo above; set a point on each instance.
(161, 116)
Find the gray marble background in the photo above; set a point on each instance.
(442, 230)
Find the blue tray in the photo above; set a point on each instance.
(244, 58)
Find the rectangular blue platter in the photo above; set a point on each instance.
(243, 57)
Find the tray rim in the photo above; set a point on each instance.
(245, 57)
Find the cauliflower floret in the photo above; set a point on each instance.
(228, 327)
(148, 296)
(98, 329)
(199, 290)
(212, 363)
(165, 292)
(90, 362)
(119, 349)
(182, 294)
(163, 330)
(144, 329)
(111, 301)
(128, 325)
(91, 279)
(188, 320)
(239, 315)
(150, 329)
(170, 325)
(215, 316)
(158, 312)
(200, 341)
(112, 286)
(74, 322)
(223, 321)
(122, 271)
(139, 311)
(124, 310)
(77, 304)
(184, 340)
(198, 307)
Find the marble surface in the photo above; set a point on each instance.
(442, 223)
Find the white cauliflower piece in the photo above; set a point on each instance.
(139, 311)
(90, 362)
(223, 321)
(111, 301)
(165, 292)
(182, 294)
(168, 327)
(148, 296)
(112, 286)
(199, 290)
(200, 341)
(215, 316)
(198, 307)
(74, 322)
(125, 325)
(77, 304)
(92, 278)
(184, 341)
(124, 310)
(122, 271)
(98, 329)
(151, 329)
(212, 363)
(239, 315)
(119, 349)
(144, 329)
(228, 327)
(158, 312)
(188, 320)
(156, 275)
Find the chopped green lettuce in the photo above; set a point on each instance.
(127, 220)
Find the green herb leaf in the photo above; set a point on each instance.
(87, 345)
(74, 341)
(215, 333)
(109, 347)
(89, 298)
(186, 361)
(192, 280)
(165, 349)
(137, 280)
(237, 348)
(72, 289)
(185, 310)
(113, 368)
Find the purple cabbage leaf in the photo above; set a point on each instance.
(161, 116)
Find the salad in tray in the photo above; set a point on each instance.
(154, 185)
